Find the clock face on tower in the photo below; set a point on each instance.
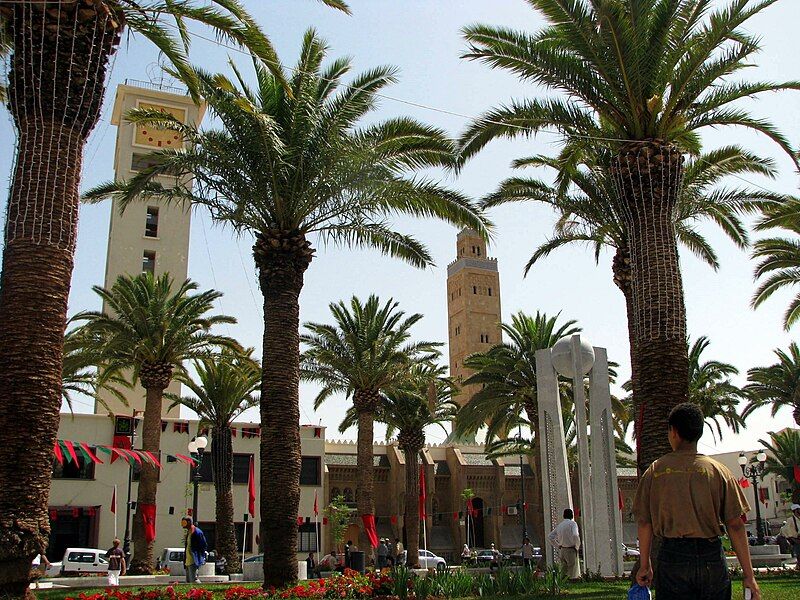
(154, 137)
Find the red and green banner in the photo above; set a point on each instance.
(68, 450)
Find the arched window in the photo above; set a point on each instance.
(348, 495)
(335, 492)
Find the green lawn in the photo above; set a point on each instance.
(787, 588)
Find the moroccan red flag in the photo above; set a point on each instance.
(370, 530)
(251, 489)
(316, 510)
(619, 498)
(744, 483)
(423, 494)
(797, 473)
(148, 512)
(393, 519)
(473, 512)
(114, 501)
(762, 494)
(120, 441)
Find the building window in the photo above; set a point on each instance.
(149, 262)
(83, 469)
(490, 291)
(474, 289)
(479, 250)
(151, 223)
(307, 535)
(140, 162)
(241, 468)
(310, 470)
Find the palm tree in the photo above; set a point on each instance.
(506, 373)
(59, 62)
(780, 257)
(423, 399)
(363, 354)
(777, 384)
(150, 328)
(286, 167)
(784, 457)
(79, 374)
(641, 78)
(225, 386)
(584, 199)
(711, 389)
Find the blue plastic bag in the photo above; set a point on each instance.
(638, 592)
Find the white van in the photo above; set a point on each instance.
(84, 560)
(172, 559)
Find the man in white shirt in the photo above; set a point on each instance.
(565, 537)
(791, 531)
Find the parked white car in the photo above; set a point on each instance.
(427, 560)
(629, 553)
(84, 560)
(172, 559)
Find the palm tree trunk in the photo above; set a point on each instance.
(411, 510)
(621, 266)
(222, 468)
(365, 471)
(281, 258)
(55, 93)
(648, 176)
(143, 561)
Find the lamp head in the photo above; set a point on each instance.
(192, 446)
(201, 442)
(761, 456)
(742, 459)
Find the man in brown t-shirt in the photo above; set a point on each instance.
(684, 498)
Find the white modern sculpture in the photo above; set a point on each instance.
(601, 530)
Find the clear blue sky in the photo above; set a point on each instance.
(422, 38)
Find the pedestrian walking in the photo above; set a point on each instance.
(791, 531)
(39, 567)
(196, 546)
(383, 553)
(685, 498)
(392, 553)
(466, 555)
(311, 565)
(527, 552)
(116, 563)
(566, 538)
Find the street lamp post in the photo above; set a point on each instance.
(196, 448)
(126, 543)
(754, 472)
(522, 488)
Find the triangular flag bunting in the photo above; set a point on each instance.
(58, 453)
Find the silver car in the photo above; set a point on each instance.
(427, 560)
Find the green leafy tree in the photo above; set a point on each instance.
(59, 55)
(224, 387)
(338, 519)
(784, 456)
(424, 400)
(779, 257)
(506, 373)
(148, 329)
(641, 78)
(584, 198)
(777, 385)
(287, 165)
(364, 354)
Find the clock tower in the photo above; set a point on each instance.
(149, 236)
(473, 305)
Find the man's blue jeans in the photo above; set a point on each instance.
(191, 573)
(692, 568)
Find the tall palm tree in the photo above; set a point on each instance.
(641, 78)
(585, 199)
(150, 328)
(777, 384)
(784, 456)
(59, 63)
(711, 388)
(286, 167)
(779, 266)
(423, 399)
(224, 387)
(363, 354)
(506, 373)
